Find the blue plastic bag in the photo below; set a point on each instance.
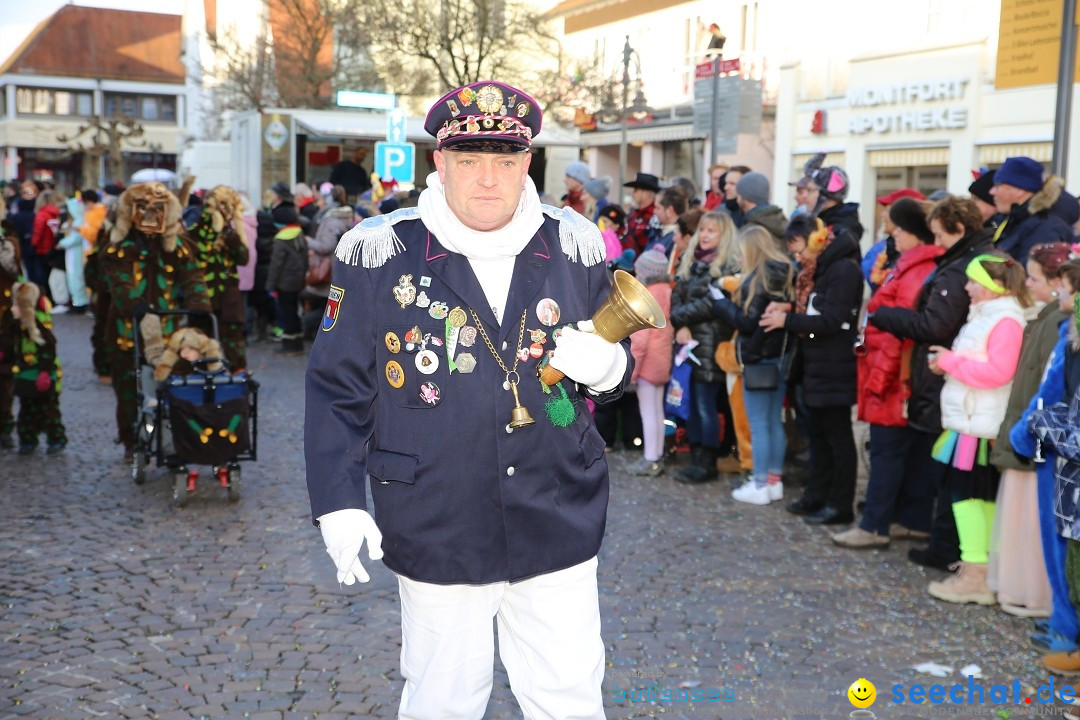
(677, 395)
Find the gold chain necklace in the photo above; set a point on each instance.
(519, 417)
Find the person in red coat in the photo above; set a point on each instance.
(898, 489)
(46, 226)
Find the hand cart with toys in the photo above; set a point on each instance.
(192, 410)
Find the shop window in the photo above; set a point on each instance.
(926, 179)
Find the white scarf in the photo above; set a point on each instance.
(490, 253)
(507, 241)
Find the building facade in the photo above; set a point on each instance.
(84, 65)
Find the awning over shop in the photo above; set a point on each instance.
(909, 157)
(654, 134)
(997, 154)
(372, 127)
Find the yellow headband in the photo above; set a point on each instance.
(977, 272)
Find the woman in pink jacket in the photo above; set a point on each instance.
(652, 351)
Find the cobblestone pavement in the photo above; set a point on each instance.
(113, 604)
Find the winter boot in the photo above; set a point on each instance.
(968, 585)
(290, 345)
(260, 329)
(702, 467)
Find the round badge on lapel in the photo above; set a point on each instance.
(430, 393)
(393, 343)
(395, 375)
(547, 310)
(427, 362)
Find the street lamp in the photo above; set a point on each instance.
(640, 108)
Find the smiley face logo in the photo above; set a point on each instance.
(862, 693)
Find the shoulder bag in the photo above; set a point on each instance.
(765, 376)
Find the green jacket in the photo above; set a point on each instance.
(219, 255)
(1040, 337)
(162, 273)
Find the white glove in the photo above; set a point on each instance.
(588, 359)
(344, 531)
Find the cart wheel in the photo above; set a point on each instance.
(138, 466)
(234, 484)
(180, 489)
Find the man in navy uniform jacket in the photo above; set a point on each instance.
(424, 378)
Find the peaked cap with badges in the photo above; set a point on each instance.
(484, 116)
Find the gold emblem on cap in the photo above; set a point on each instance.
(489, 99)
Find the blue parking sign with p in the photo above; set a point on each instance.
(396, 160)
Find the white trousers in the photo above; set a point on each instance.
(549, 642)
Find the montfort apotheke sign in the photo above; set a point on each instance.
(908, 107)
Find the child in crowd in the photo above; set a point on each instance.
(652, 353)
(36, 369)
(769, 277)
(710, 255)
(978, 372)
(1016, 571)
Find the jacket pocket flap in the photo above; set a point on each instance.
(386, 466)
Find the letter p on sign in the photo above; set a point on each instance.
(396, 160)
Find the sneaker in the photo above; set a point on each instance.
(1051, 642)
(648, 468)
(776, 491)
(858, 539)
(1042, 625)
(1024, 611)
(752, 494)
(1063, 663)
(55, 448)
(967, 585)
(60, 310)
(899, 532)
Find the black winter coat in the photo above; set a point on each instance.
(691, 306)
(754, 344)
(1047, 217)
(844, 218)
(827, 330)
(940, 312)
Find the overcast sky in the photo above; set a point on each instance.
(19, 17)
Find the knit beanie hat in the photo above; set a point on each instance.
(908, 215)
(980, 188)
(598, 187)
(1021, 172)
(753, 187)
(579, 171)
(651, 263)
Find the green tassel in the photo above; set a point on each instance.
(561, 410)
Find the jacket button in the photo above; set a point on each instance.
(510, 470)
(509, 429)
(504, 345)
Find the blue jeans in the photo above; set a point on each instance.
(767, 438)
(703, 427)
(901, 486)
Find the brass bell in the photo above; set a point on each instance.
(519, 416)
(630, 307)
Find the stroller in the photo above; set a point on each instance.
(209, 417)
